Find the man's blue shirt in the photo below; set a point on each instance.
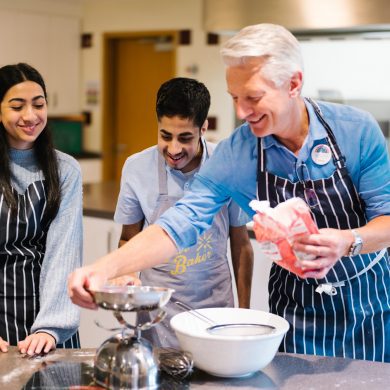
(231, 171)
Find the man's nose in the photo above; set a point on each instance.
(243, 110)
(174, 147)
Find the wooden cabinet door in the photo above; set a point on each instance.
(140, 67)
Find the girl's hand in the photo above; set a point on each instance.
(37, 343)
(3, 345)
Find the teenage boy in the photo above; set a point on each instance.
(153, 180)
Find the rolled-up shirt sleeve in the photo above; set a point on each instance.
(374, 181)
(230, 173)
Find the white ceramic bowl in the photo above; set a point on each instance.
(229, 356)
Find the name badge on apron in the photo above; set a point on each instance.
(321, 154)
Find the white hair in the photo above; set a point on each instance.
(272, 43)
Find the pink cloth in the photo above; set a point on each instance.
(277, 228)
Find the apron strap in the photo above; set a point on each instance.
(162, 176)
(260, 164)
(260, 158)
(330, 288)
(338, 157)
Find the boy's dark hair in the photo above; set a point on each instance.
(11, 75)
(183, 97)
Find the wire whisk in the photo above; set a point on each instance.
(174, 362)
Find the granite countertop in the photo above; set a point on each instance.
(74, 369)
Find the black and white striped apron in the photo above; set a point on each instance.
(22, 248)
(347, 313)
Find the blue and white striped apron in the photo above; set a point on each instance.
(347, 313)
(22, 248)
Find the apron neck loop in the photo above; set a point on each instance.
(205, 151)
(338, 157)
(260, 158)
(162, 175)
(260, 163)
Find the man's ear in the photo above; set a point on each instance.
(296, 83)
(204, 127)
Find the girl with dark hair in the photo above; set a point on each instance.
(40, 220)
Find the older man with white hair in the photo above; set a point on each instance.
(332, 156)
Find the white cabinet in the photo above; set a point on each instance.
(91, 170)
(100, 237)
(52, 45)
(63, 81)
(261, 269)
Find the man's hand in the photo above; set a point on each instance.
(37, 343)
(126, 280)
(327, 247)
(79, 281)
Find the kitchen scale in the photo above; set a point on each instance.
(126, 360)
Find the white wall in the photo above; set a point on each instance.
(355, 67)
(102, 16)
(53, 7)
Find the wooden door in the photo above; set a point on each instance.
(140, 66)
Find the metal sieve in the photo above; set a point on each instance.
(231, 329)
(131, 298)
